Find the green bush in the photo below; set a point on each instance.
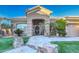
(59, 27)
(25, 39)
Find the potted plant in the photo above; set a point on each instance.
(18, 32)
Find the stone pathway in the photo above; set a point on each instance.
(40, 41)
(23, 49)
(64, 38)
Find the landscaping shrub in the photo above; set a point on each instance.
(59, 27)
(25, 39)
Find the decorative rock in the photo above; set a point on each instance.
(42, 44)
(53, 48)
(48, 48)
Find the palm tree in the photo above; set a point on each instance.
(6, 24)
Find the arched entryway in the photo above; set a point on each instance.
(38, 26)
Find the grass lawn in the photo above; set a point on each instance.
(67, 46)
(6, 44)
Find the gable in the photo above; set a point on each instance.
(39, 10)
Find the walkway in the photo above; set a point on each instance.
(64, 38)
(40, 41)
(23, 49)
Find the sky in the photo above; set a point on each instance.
(12, 11)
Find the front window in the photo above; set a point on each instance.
(21, 26)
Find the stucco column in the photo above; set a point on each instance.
(14, 28)
(14, 25)
(29, 27)
(47, 27)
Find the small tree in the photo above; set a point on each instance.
(18, 32)
(60, 26)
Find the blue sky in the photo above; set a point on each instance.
(58, 10)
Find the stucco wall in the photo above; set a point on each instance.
(72, 30)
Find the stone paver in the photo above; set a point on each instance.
(64, 38)
(23, 49)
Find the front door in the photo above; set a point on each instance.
(38, 27)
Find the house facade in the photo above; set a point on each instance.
(38, 21)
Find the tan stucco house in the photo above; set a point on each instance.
(38, 21)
